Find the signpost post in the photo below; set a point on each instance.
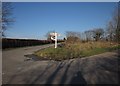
(54, 37)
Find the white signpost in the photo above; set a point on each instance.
(54, 37)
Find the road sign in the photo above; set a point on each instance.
(54, 37)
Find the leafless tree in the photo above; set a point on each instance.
(89, 35)
(113, 27)
(48, 36)
(73, 36)
(111, 30)
(6, 18)
(83, 36)
(116, 19)
(98, 34)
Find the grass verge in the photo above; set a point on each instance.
(70, 51)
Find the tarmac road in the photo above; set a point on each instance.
(97, 69)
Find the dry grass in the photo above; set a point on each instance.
(74, 50)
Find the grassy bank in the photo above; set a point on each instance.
(69, 51)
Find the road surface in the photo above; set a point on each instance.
(97, 69)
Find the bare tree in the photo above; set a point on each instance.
(111, 30)
(6, 18)
(48, 35)
(113, 27)
(98, 34)
(89, 35)
(73, 36)
(117, 23)
(118, 26)
(83, 37)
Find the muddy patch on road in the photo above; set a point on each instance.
(33, 58)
